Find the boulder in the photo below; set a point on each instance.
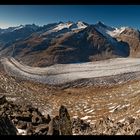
(137, 132)
(36, 119)
(3, 99)
(21, 125)
(80, 126)
(24, 117)
(64, 121)
(54, 126)
(46, 120)
(130, 120)
(137, 123)
(41, 129)
(6, 126)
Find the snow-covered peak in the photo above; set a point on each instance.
(62, 26)
(78, 25)
(32, 26)
(81, 25)
(9, 29)
(12, 29)
(101, 27)
(105, 31)
(117, 31)
(70, 25)
(109, 31)
(18, 27)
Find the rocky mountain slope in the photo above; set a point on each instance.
(17, 119)
(89, 103)
(68, 42)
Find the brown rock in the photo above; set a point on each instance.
(41, 129)
(54, 126)
(36, 119)
(25, 116)
(130, 120)
(137, 132)
(21, 125)
(46, 120)
(65, 122)
(137, 123)
(30, 129)
(80, 126)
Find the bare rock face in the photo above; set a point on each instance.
(6, 126)
(65, 122)
(132, 38)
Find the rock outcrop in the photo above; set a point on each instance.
(25, 117)
(61, 125)
(31, 120)
(26, 120)
(6, 126)
(65, 122)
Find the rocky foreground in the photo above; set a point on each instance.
(26, 120)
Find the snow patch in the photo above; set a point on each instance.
(124, 106)
(11, 99)
(90, 111)
(114, 108)
(75, 117)
(22, 132)
(110, 104)
(80, 25)
(111, 107)
(116, 32)
(87, 109)
(86, 117)
(138, 111)
(122, 120)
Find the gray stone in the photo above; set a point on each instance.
(6, 126)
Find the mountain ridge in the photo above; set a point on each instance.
(68, 42)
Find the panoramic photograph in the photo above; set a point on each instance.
(69, 70)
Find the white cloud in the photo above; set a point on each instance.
(4, 25)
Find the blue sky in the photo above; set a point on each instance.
(113, 15)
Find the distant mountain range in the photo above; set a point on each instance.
(68, 42)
